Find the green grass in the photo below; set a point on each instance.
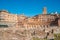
(36, 38)
(57, 36)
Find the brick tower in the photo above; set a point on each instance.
(44, 10)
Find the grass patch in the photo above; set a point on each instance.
(36, 38)
(57, 36)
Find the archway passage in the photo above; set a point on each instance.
(4, 26)
(54, 23)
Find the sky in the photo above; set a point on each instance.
(29, 7)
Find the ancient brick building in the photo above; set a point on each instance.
(7, 19)
(44, 19)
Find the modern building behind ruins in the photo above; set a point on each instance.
(44, 19)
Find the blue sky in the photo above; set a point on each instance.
(29, 7)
